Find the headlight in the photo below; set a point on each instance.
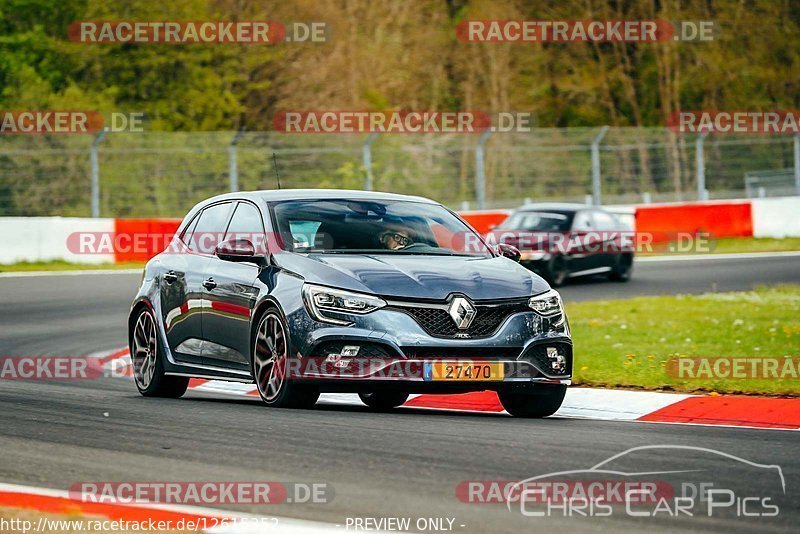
(534, 256)
(547, 304)
(324, 303)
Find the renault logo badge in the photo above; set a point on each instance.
(462, 311)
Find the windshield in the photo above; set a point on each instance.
(372, 227)
(538, 221)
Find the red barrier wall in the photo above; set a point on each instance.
(483, 221)
(151, 235)
(720, 219)
(724, 219)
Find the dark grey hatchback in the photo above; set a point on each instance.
(309, 291)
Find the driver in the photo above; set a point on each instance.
(395, 237)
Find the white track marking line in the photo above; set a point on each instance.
(613, 404)
(715, 257)
(33, 274)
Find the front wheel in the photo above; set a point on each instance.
(148, 363)
(383, 400)
(544, 401)
(271, 354)
(557, 271)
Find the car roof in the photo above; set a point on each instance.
(555, 206)
(271, 195)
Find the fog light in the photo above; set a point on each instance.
(350, 350)
(558, 362)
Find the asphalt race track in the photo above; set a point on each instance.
(403, 464)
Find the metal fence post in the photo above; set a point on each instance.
(700, 162)
(366, 153)
(596, 186)
(480, 176)
(797, 164)
(233, 164)
(95, 174)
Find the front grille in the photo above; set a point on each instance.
(488, 318)
(538, 356)
(467, 353)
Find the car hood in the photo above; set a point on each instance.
(416, 276)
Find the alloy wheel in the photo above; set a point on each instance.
(144, 349)
(270, 355)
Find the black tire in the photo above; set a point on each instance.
(557, 271)
(282, 392)
(622, 269)
(542, 402)
(146, 352)
(383, 400)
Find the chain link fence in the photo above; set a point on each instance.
(160, 174)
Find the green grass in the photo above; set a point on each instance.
(755, 244)
(730, 245)
(58, 265)
(627, 343)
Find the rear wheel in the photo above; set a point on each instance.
(148, 364)
(383, 400)
(622, 269)
(542, 402)
(271, 353)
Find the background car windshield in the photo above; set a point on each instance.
(392, 227)
(538, 221)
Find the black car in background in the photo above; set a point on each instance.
(559, 241)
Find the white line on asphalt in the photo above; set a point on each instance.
(715, 257)
(26, 274)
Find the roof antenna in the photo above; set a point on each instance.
(277, 175)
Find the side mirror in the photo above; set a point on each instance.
(509, 251)
(236, 250)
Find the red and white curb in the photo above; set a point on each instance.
(212, 521)
(585, 403)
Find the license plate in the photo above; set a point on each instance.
(463, 371)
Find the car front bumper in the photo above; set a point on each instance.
(388, 347)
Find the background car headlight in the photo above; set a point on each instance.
(536, 255)
(547, 304)
(324, 303)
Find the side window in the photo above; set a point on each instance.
(245, 223)
(186, 236)
(210, 228)
(583, 221)
(604, 221)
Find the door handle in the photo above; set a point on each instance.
(170, 276)
(209, 284)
